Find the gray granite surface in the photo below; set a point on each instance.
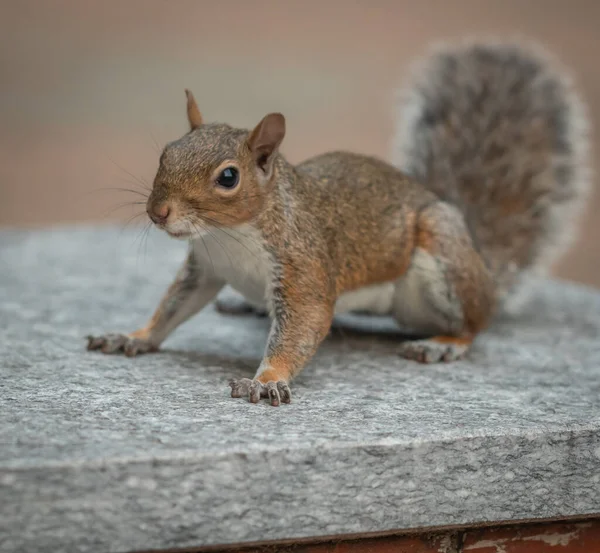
(106, 453)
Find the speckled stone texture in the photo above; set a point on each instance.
(107, 453)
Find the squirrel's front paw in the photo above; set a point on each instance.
(120, 343)
(277, 392)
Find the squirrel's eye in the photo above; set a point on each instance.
(228, 178)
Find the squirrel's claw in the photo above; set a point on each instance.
(433, 351)
(277, 392)
(119, 343)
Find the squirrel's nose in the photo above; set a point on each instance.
(159, 213)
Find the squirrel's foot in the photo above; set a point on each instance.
(277, 392)
(237, 306)
(120, 343)
(435, 350)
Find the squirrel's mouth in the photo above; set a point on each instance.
(183, 229)
(176, 230)
(180, 234)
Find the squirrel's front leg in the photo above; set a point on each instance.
(192, 289)
(303, 307)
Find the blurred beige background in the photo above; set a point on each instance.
(91, 89)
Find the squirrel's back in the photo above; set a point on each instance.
(498, 129)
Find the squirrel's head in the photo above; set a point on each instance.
(215, 175)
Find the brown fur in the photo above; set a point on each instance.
(463, 341)
(498, 129)
(491, 156)
(443, 235)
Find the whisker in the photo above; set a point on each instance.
(205, 247)
(216, 224)
(147, 235)
(141, 181)
(144, 188)
(158, 148)
(130, 221)
(140, 237)
(85, 195)
(220, 244)
(116, 189)
(120, 206)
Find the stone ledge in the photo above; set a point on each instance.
(115, 454)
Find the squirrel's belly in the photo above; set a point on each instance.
(237, 256)
(377, 299)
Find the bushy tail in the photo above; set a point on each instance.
(498, 129)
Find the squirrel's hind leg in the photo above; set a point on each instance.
(447, 292)
(436, 349)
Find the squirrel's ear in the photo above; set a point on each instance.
(266, 138)
(193, 113)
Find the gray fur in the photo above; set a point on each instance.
(498, 129)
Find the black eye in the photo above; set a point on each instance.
(228, 178)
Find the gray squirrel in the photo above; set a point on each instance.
(488, 176)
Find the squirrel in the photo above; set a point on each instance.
(488, 176)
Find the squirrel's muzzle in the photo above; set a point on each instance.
(159, 213)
